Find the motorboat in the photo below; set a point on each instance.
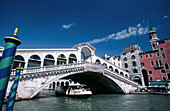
(78, 91)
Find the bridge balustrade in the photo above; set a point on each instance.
(46, 68)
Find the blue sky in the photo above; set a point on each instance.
(109, 25)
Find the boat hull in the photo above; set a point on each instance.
(79, 96)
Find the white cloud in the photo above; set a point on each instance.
(138, 30)
(68, 26)
(164, 17)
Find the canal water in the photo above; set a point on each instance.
(109, 102)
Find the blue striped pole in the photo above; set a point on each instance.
(12, 94)
(6, 63)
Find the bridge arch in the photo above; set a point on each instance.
(72, 58)
(34, 61)
(48, 60)
(121, 73)
(96, 82)
(137, 79)
(105, 65)
(98, 61)
(111, 68)
(86, 53)
(18, 59)
(61, 59)
(116, 70)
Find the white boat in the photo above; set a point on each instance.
(78, 91)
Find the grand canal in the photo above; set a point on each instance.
(109, 102)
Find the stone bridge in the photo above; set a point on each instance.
(97, 77)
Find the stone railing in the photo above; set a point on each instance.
(47, 68)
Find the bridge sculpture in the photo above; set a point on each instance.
(51, 65)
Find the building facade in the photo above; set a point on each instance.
(155, 63)
(113, 59)
(131, 63)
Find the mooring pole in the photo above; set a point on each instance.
(6, 62)
(13, 91)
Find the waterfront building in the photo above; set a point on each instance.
(131, 63)
(113, 59)
(155, 63)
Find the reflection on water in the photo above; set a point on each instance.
(111, 102)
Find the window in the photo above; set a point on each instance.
(152, 63)
(161, 42)
(163, 78)
(158, 54)
(166, 66)
(159, 63)
(151, 79)
(161, 48)
(134, 64)
(125, 59)
(126, 65)
(146, 56)
(142, 64)
(168, 76)
(133, 57)
(124, 53)
(132, 51)
(141, 57)
(135, 71)
(163, 56)
(150, 72)
(162, 71)
(150, 55)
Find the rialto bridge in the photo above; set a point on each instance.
(42, 67)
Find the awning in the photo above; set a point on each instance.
(158, 83)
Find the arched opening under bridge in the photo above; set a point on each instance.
(97, 83)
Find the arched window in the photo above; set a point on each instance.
(121, 73)
(126, 75)
(135, 71)
(18, 59)
(105, 65)
(58, 83)
(134, 64)
(163, 56)
(67, 83)
(133, 57)
(53, 85)
(48, 60)
(125, 59)
(111, 68)
(72, 58)
(34, 61)
(166, 66)
(116, 71)
(61, 59)
(126, 65)
(98, 61)
(62, 83)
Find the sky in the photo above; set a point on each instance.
(108, 25)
